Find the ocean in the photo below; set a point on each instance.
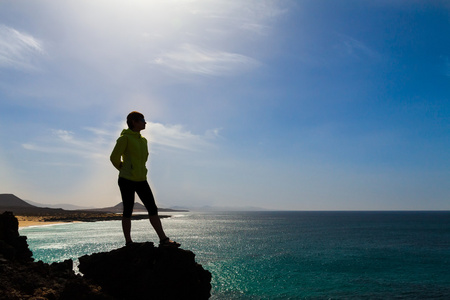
(287, 255)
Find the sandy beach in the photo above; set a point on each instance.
(26, 221)
(30, 215)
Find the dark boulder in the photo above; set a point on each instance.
(38, 280)
(142, 271)
(12, 245)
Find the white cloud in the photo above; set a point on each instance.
(175, 136)
(202, 37)
(63, 142)
(18, 50)
(101, 50)
(99, 143)
(193, 59)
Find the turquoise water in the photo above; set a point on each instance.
(288, 255)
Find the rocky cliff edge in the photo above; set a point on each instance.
(138, 271)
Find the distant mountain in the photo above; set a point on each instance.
(119, 208)
(137, 208)
(10, 200)
(19, 207)
(61, 205)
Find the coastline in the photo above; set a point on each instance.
(30, 215)
(27, 221)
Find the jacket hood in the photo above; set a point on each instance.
(128, 131)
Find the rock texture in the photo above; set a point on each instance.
(12, 245)
(22, 278)
(139, 271)
(142, 271)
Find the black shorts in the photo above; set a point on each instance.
(128, 188)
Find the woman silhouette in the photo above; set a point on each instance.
(129, 156)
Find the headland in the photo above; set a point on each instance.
(31, 215)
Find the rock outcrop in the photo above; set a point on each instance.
(12, 245)
(142, 271)
(139, 271)
(22, 278)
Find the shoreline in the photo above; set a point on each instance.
(27, 221)
(25, 224)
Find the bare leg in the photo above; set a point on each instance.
(156, 223)
(126, 227)
(163, 239)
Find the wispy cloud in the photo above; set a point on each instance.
(99, 143)
(63, 149)
(68, 143)
(17, 49)
(196, 60)
(175, 136)
(355, 48)
(137, 46)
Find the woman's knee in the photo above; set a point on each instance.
(127, 214)
(152, 211)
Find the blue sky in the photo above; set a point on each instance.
(291, 105)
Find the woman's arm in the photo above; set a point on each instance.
(119, 149)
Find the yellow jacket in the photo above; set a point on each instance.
(130, 155)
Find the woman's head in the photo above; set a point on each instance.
(134, 117)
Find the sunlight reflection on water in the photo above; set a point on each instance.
(276, 255)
